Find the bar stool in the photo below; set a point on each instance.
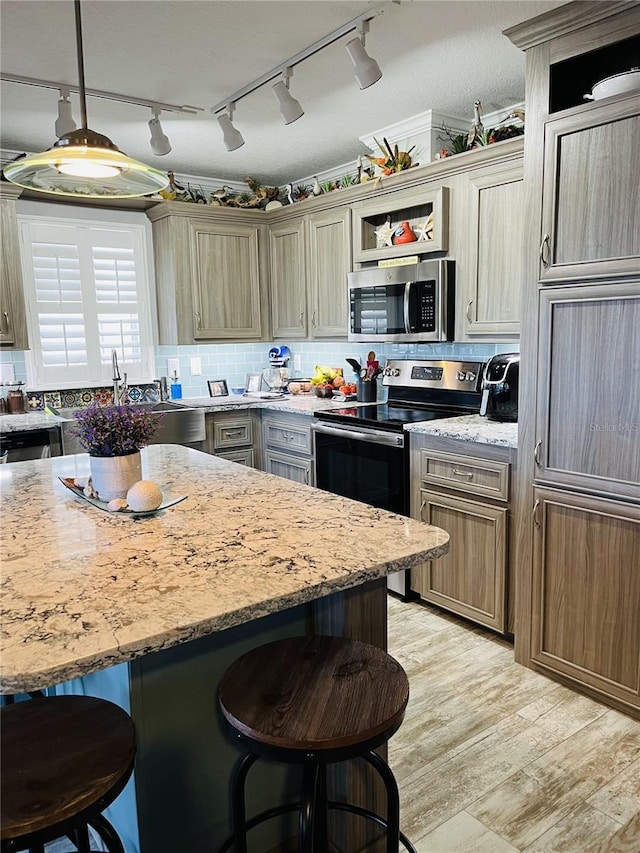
(64, 760)
(314, 701)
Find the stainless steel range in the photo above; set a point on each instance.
(362, 452)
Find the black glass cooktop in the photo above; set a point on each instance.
(385, 416)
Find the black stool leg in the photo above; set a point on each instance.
(238, 811)
(80, 838)
(107, 833)
(313, 822)
(321, 812)
(393, 799)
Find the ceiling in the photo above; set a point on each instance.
(434, 55)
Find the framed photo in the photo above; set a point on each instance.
(254, 383)
(218, 388)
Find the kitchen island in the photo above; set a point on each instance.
(150, 611)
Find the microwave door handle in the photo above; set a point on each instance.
(407, 319)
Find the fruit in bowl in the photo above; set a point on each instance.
(324, 390)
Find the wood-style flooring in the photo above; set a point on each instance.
(494, 758)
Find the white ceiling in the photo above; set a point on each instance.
(434, 55)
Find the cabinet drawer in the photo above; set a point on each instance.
(284, 435)
(465, 473)
(232, 432)
(242, 457)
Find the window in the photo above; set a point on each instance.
(87, 294)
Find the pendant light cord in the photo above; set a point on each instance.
(81, 87)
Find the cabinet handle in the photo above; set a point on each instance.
(534, 513)
(198, 321)
(230, 433)
(306, 477)
(422, 506)
(5, 315)
(468, 311)
(536, 452)
(544, 255)
(313, 318)
(301, 317)
(288, 436)
(468, 474)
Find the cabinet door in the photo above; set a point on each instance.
(591, 214)
(290, 467)
(470, 578)
(242, 457)
(496, 260)
(586, 591)
(225, 280)
(329, 261)
(288, 279)
(588, 417)
(13, 322)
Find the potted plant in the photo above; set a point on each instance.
(113, 436)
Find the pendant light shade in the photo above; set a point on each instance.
(84, 163)
(290, 109)
(367, 71)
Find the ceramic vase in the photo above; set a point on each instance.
(113, 476)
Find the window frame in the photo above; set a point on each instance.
(97, 373)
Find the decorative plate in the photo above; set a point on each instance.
(69, 483)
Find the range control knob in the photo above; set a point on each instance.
(461, 376)
(471, 377)
(396, 371)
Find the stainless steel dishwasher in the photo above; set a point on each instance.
(26, 444)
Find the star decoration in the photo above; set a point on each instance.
(425, 231)
(383, 235)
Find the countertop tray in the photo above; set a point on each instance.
(69, 483)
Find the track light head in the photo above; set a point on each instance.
(367, 71)
(231, 136)
(159, 142)
(64, 122)
(290, 108)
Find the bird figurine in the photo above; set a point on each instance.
(476, 125)
(221, 195)
(174, 190)
(289, 191)
(316, 189)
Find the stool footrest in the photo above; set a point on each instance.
(277, 811)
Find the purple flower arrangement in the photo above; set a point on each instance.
(114, 430)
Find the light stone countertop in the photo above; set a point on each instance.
(470, 428)
(32, 420)
(85, 589)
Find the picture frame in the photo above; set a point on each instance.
(253, 383)
(218, 388)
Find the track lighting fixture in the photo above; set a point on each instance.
(367, 71)
(64, 122)
(159, 142)
(231, 136)
(85, 163)
(290, 109)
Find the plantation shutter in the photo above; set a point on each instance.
(87, 298)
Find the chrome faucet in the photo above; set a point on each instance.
(116, 378)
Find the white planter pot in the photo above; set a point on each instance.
(113, 476)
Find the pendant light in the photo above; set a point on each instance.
(84, 163)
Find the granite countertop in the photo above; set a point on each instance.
(470, 428)
(32, 420)
(85, 589)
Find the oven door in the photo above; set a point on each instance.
(365, 465)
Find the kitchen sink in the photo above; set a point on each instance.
(176, 425)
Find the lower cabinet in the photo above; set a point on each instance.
(586, 593)
(468, 496)
(231, 436)
(287, 446)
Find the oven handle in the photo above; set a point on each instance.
(407, 319)
(374, 436)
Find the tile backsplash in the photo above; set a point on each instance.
(233, 361)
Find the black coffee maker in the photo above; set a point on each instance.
(500, 387)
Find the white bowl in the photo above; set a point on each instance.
(617, 84)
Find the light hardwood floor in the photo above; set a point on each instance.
(494, 758)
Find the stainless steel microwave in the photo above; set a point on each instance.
(413, 303)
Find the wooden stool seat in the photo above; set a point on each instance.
(314, 693)
(64, 760)
(315, 701)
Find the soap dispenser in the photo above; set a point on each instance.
(176, 388)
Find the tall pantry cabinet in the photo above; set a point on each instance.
(578, 581)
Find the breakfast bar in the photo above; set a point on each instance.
(149, 611)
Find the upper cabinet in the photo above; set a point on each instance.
(590, 211)
(310, 257)
(426, 209)
(489, 251)
(13, 321)
(208, 273)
